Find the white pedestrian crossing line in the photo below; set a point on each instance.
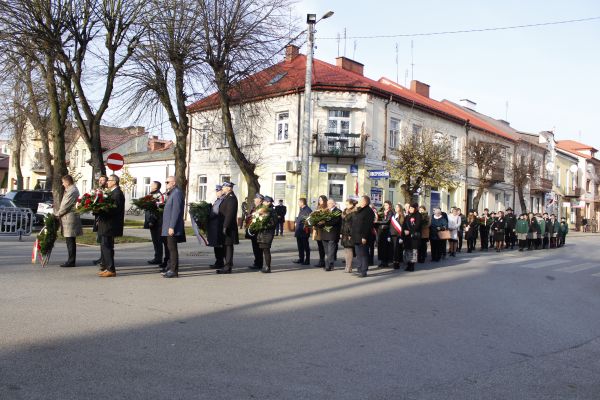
(577, 268)
(514, 260)
(545, 263)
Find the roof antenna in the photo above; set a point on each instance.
(354, 51)
(338, 42)
(406, 77)
(412, 61)
(345, 42)
(506, 111)
(397, 72)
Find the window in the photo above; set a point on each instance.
(279, 187)
(75, 158)
(338, 121)
(83, 157)
(84, 186)
(416, 129)
(454, 146)
(282, 126)
(202, 139)
(202, 188)
(558, 177)
(146, 185)
(394, 138)
(588, 186)
(337, 185)
(133, 193)
(225, 178)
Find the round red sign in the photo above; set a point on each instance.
(115, 161)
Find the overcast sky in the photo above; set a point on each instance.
(549, 75)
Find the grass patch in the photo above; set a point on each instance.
(89, 238)
(134, 223)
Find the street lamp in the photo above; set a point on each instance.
(311, 20)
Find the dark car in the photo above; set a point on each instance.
(30, 199)
(4, 202)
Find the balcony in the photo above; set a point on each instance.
(573, 192)
(339, 145)
(38, 166)
(541, 185)
(496, 176)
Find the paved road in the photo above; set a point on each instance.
(481, 326)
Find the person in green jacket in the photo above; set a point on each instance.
(541, 233)
(564, 229)
(522, 228)
(553, 229)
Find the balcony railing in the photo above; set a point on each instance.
(573, 192)
(541, 185)
(37, 166)
(333, 144)
(497, 175)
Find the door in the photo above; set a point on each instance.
(337, 187)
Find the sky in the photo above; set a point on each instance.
(549, 75)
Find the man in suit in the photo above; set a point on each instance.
(70, 223)
(258, 253)
(153, 222)
(280, 211)
(101, 186)
(215, 230)
(331, 234)
(172, 227)
(301, 233)
(110, 225)
(228, 211)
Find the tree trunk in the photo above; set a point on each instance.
(246, 167)
(18, 171)
(181, 129)
(477, 197)
(521, 199)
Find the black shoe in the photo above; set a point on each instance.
(306, 263)
(321, 264)
(410, 268)
(216, 266)
(362, 275)
(396, 265)
(224, 271)
(153, 261)
(266, 270)
(96, 262)
(298, 261)
(255, 267)
(163, 264)
(67, 265)
(171, 274)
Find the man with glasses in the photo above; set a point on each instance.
(172, 227)
(110, 225)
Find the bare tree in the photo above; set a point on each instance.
(488, 159)
(424, 159)
(240, 38)
(522, 170)
(13, 120)
(115, 24)
(165, 67)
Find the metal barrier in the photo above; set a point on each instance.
(16, 221)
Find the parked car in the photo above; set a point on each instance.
(4, 202)
(30, 199)
(48, 208)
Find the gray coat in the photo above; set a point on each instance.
(70, 221)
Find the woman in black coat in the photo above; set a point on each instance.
(412, 236)
(384, 244)
(498, 228)
(471, 230)
(396, 235)
(265, 237)
(534, 229)
(346, 231)
(362, 224)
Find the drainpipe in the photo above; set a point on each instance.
(298, 122)
(467, 129)
(189, 157)
(385, 129)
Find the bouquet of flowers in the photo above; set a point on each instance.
(150, 202)
(44, 242)
(262, 220)
(321, 218)
(96, 202)
(199, 212)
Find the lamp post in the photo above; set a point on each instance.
(311, 20)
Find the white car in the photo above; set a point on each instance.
(48, 208)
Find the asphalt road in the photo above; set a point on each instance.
(481, 326)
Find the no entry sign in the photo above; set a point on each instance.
(115, 161)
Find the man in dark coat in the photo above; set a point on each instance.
(153, 222)
(215, 230)
(101, 186)
(362, 226)
(228, 211)
(510, 235)
(110, 225)
(485, 221)
(172, 227)
(258, 253)
(301, 234)
(280, 211)
(331, 234)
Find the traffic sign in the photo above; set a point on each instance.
(115, 161)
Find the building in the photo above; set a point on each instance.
(356, 124)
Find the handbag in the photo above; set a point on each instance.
(444, 235)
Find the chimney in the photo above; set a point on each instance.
(350, 65)
(291, 52)
(468, 104)
(419, 88)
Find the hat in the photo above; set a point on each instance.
(228, 184)
(268, 199)
(509, 209)
(259, 196)
(218, 187)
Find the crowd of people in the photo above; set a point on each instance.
(400, 234)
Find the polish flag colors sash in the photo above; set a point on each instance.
(396, 225)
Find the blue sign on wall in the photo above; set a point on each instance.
(379, 174)
(322, 167)
(354, 170)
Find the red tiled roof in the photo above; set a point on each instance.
(330, 77)
(574, 147)
(112, 137)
